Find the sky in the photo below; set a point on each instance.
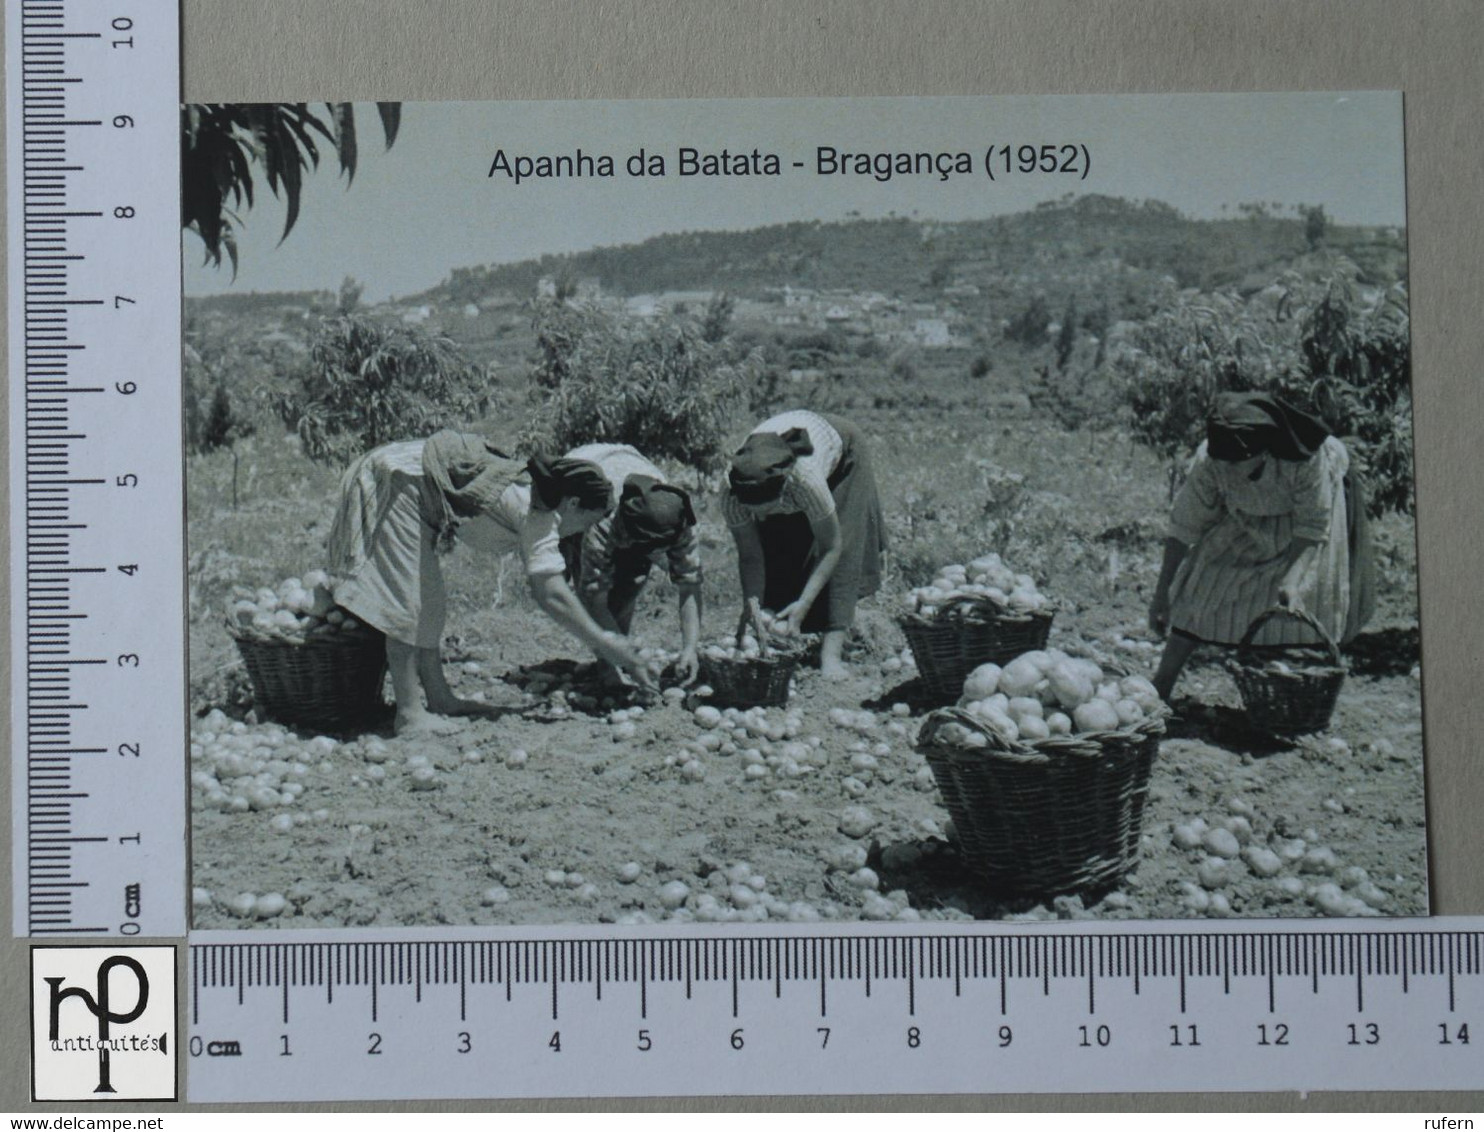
(428, 204)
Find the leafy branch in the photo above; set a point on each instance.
(222, 142)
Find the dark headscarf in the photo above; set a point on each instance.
(1243, 425)
(463, 476)
(553, 480)
(760, 467)
(651, 513)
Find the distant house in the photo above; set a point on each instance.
(546, 287)
(793, 298)
(642, 306)
(414, 315)
(673, 299)
(837, 313)
(932, 332)
(471, 311)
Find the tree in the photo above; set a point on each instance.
(1030, 326)
(1315, 224)
(351, 291)
(1066, 338)
(368, 383)
(221, 142)
(1357, 375)
(716, 323)
(1324, 346)
(212, 418)
(658, 385)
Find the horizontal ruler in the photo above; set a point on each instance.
(583, 1012)
(97, 611)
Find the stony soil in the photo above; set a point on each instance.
(600, 818)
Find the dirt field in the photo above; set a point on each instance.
(600, 819)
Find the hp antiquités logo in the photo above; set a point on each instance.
(103, 1023)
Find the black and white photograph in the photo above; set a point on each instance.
(712, 512)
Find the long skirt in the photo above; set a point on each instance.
(789, 553)
(1220, 589)
(383, 565)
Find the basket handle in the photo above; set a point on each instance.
(1297, 615)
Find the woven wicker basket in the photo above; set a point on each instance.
(1049, 816)
(752, 682)
(1298, 701)
(332, 680)
(965, 633)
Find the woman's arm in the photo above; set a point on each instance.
(751, 570)
(558, 602)
(1295, 561)
(596, 603)
(827, 542)
(1159, 606)
(690, 633)
(750, 562)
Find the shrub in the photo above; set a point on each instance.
(716, 323)
(1357, 375)
(659, 386)
(1174, 365)
(367, 383)
(902, 366)
(1322, 347)
(1030, 327)
(212, 417)
(810, 349)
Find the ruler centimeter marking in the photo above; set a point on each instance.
(98, 684)
(99, 782)
(471, 1013)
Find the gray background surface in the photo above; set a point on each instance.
(1430, 49)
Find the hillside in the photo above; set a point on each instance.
(1096, 249)
(1059, 247)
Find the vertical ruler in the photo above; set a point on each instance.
(98, 685)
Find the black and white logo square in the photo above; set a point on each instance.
(103, 1023)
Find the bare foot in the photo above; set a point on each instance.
(458, 707)
(425, 723)
(832, 669)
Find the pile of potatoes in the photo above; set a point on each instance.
(985, 577)
(297, 610)
(727, 648)
(1047, 692)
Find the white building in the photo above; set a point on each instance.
(932, 332)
